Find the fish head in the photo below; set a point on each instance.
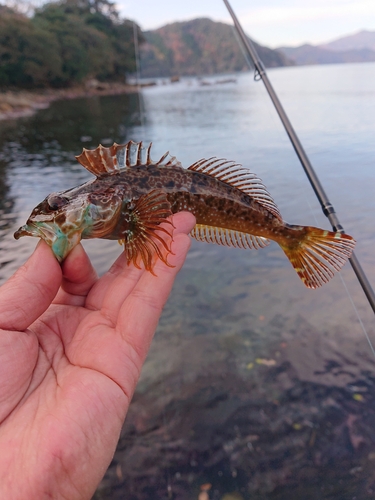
(60, 219)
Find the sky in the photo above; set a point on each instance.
(273, 23)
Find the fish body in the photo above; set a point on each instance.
(132, 198)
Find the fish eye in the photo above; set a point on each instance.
(55, 201)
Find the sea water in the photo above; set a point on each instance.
(255, 384)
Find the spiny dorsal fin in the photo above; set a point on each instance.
(235, 175)
(100, 160)
(104, 160)
(228, 237)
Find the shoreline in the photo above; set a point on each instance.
(22, 103)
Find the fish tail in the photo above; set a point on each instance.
(316, 253)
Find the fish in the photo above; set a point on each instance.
(132, 198)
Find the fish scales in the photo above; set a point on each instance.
(210, 200)
(132, 198)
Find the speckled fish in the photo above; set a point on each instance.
(132, 197)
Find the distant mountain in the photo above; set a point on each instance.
(361, 40)
(310, 54)
(359, 47)
(198, 47)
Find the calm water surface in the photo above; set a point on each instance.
(256, 385)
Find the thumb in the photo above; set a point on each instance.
(30, 291)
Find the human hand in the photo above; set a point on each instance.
(71, 351)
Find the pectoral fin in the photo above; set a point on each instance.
(145, 236)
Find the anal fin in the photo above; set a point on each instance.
(146, 234)
(228, 237)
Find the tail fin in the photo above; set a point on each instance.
(317, 253)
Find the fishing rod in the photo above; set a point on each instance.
(327, 207)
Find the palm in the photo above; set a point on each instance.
(67, 379)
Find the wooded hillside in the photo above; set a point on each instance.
(64, 43)
(199, 47)
(67, 42)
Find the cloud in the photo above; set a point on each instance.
(308, 22)
(271, 22)
(319, 10)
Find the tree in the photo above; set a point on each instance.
(84, 51)
(29, 57)
(64, 43)
(25, 7)
(104, 7)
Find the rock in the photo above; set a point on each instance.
(204, 416)
(232, 496)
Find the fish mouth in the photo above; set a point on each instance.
(38, 229)
(60, 243)
(25, 230)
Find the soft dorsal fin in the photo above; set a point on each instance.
(235, 175)
(104, 160)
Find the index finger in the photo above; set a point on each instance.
(79, 276)
(140, 313)
(30, 291)
(113, 288)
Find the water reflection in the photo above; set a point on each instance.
(7, 214)
(65, 123)
(37, 157)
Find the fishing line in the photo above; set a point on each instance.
(242, 48)
(305, 197)
(141, 111)
(138, 76)
(358, 316)
(349, 295)
(327, 207)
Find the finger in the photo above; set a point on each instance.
(121, 356)
(78, 278)
(127, 280)
(113, 288)
(126, 276)
(183, 222)
(30, 291)
(140, 313)
(18, 355)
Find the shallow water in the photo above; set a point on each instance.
(230, 309)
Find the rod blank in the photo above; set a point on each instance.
(327, 207)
